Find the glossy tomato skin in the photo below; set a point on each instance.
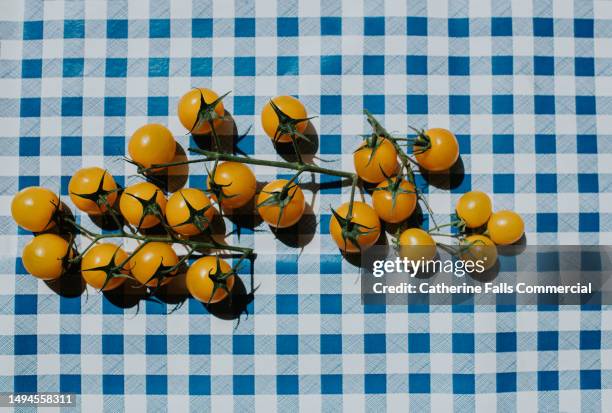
(33, 208)
(385, 159)
(474, 208)
(405, 203)
(43, 256)
(98, 256)
(240, 181)
(442, 154)
(479, 248)
(131, 208)
(505, 227)
(189, 107)
(200, 285)
(148, 260)
(152, 144)
(292, 212)
(86, 181)
(363, 214)
(416, 244)
(177, 210)
(291, 107)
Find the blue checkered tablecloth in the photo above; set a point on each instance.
(526, 86)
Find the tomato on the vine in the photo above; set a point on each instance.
(436, 149)
(359, 232)
(290, 107)
(153, 265)
(474, 209)
(281, 204)
(375, 159)
(232, 184)
(210, 279)
(92, 190)
(190, 108)
(505, 227)
(142, 205)
(416, 244)
(34, 208)
(189, 211)
(101, 262)
(479, 248)
(152, 144)
(393, 200)
(44, 256)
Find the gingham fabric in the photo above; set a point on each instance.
(525, 85)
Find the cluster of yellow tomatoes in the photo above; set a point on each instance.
(355, 226)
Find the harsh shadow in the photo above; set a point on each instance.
(300, 234)
(174, 293)
(487, 275)
(245, 217)
(227, 133)
(173, 178)
(105, 221)
(513, 249)
(308, 147)
(235, 304)
(127, 295)
(449, 179)
(70, 284)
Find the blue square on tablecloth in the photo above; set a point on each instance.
(201, 66)
(117, 29)
(199, 385)
(157, 384)
(590, 379)
(548, 380)
(26, 304)
(463, 343)
(417, 104)
(24, 182)
(330, 144)
(416, 26)
(545, 143)
(70, 305)
(416, 65)
(157, 106)
(459, 104)
(588, 222)
(584, 66)
(112, 384)
(506, 382)
(331, 344)
(244, 105)
(70, 383)
(72, 106)
(244, 384)
(547, 261)
(464, 383)
(331, 26)
(419, 383)
(418, 342)
(544, 105)
(29, 146)
(159, 66)
(331, 384)
(374, 103)
(25, 383)
(590, 340)
(585, 105)
(374, 343)
(506, 342)
(543, 27)
(31, 68)
(502, 65)
(548, 340)
(331, 304)
(25, 344)
(331, 104)
(33, 30)
(287, 65)
(201, 27)
(159, 28)
(330, 263)
(501, 26)
(114, 145)
(116, 67)
(373, 65)
(331, 65)
(156, 344)
(70, 344)
(544, 65)
(74, 29)
(375, 383)
(287, 344)
(287, 304)
(503, 144)
(112, 344)
(287, 26)
(588, 183)
(287, 384)
(73, 67)
(114, 106)
(243, 344)
(374, 26)
(586, 143)
(244, 66)
(244, 27)
(546, 183)
(458, 27)
(503, 104)
(583, 27)
(30, 107)
(199, 344)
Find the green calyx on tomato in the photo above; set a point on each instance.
(111, 270)
(100, 196)
(207, 113)
(219, 279)
(280, 198)
(216, 189)
(422, 141)
(287, 125)
(149, 207)
(394, 187)
(196, 217)
(351, 231)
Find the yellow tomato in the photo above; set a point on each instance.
(291, 107)
(132, 209)
(97, 258)
(34, 208)
(202, 276)
(151, 260)
(443, 152)
(189, 107)
(416, 245)
(364, 228)
(269, 204)
(474, 209)
(152, 144)
(86, 192)
(236, 182)
(373, 167)
(184, 207)
(44, 255)
(479, 249)
(505, 227)
(394, 211)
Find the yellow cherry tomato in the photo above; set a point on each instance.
(236, 182)
(405, 200)
(505, 227)
(480, 251)
(370, 167)
(43, 256)
(291, 107)
(365, 227)
(152, 144)
(442, 154)
(416, 245)
(474, 208)
(100, 256)
(188, 205)
(293, 204)
(201, 278)
(85, 183)
(33, 208)
(152, 259)
(132, 209)
(189, 107)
